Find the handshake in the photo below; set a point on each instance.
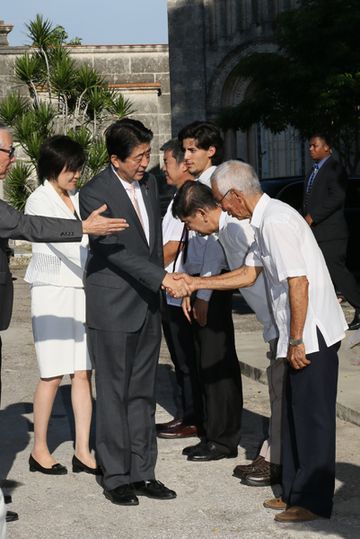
(179, 285)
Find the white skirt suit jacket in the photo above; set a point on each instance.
(55, 274)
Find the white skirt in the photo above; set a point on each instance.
(58, 322)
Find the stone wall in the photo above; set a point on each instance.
(207, 38)
(140, 72)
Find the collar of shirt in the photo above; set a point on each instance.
(126, 185)
(222, 220)
(322, 162)
(206, 175)
(259, 210)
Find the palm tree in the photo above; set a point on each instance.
(62, 98)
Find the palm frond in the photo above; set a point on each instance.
(40, 31)
(12, 107)
(119, 105)
(18, 185)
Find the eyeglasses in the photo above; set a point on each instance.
(10, 151)
(222, 198)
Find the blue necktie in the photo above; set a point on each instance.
(312, 178)
(310, 182)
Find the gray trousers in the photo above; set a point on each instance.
(125, 371)
(271, 448)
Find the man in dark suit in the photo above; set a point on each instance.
(123, 280)
(15, 225)
(323, 205)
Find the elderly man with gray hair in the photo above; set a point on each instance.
(311, 325)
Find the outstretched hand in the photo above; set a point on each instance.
(98, 225)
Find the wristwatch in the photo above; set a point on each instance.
(295, 342)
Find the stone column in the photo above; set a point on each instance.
(187, 62)
(5, 29)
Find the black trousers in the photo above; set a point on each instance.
(219, 373)
(0, 367)
(179, 339)
(334, 252)
(309, 429)
(125, 372)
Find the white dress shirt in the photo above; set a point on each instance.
(140, 200)
(236, 237)
(286, 247)
(205, 255)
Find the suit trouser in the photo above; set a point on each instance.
(125, 371)
(309, 429)
(271, 448)
(179, 339)
(219, 373)
(0, 368)
(334, 252)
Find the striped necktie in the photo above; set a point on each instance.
(309, 185)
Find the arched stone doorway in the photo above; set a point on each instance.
(272, 155)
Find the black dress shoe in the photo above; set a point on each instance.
(191, 448)
(11, 516)
(242, 470)
(154, 489)
(210, 452)
(56, 469)
(78, 466)
(264, 477)
(355, 324)
(122, 495)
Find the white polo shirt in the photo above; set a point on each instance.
(286, 247)
(236, 238)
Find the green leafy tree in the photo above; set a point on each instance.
(313, 82)
(63, 97)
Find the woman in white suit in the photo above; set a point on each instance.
(55, 274)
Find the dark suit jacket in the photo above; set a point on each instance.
(124, 273)
(326, 202)
(15, 225)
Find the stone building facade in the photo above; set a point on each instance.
(207, 38)
(139, 72)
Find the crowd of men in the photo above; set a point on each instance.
(220, 232)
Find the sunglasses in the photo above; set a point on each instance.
(10, 151)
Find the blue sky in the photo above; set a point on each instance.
(98, 22)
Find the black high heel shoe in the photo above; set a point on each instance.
(78, 466)
(56, 469)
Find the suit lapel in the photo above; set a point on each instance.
(145, 191)
(126, 209)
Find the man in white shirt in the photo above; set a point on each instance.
(195, 205)
(177, 331)
(216, 358)
(311, 325)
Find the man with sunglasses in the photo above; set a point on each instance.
(15, 225)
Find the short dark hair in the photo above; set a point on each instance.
(124, 135)
(206, 134)
(326, 137)
(173, 145)
(190, 197)
(57, 153)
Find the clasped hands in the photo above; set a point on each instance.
(179, 285)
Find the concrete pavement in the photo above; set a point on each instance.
(210, 503)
